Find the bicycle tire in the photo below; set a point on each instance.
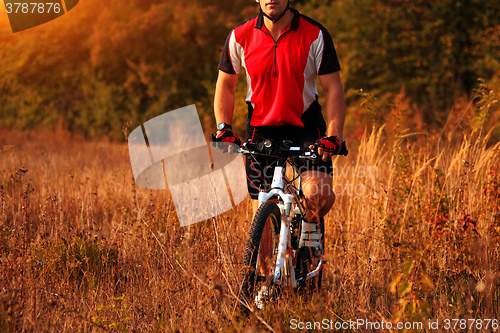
(307, 262)
(260, 255)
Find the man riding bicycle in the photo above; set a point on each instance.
(283, 54)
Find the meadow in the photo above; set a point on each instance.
(413, 238)
(414, 234)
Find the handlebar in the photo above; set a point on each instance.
(278, 149)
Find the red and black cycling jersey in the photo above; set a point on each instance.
(281, 76)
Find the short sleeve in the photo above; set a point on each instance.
(230, 61)
(326, 56)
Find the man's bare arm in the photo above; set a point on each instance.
(224, 97)
(335, 104)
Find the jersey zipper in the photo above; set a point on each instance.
(276, 58)
(275, 49)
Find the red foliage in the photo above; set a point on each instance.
(468, 224)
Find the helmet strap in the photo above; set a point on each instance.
(274, 20)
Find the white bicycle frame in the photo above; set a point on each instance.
(277, 187)
(284, 264)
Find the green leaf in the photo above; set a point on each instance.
(404, 288)
(408, 266)
(394, 282)
(412, 307)
(424, 306)
(401, 310)
(426, 284)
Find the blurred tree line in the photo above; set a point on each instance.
(107, 63)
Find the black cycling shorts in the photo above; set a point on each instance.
(260, 169)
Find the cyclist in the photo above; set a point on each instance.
(283, 54)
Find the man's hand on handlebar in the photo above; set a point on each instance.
(329, 146)
(227, 137)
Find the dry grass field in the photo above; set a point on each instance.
(414, 237)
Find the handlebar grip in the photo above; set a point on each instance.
(342, 150)
(315, 149)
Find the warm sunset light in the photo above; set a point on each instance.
(119, 213)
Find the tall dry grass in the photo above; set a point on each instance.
(414, 235)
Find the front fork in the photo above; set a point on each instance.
(284, 273)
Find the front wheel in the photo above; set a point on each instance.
(260, 256)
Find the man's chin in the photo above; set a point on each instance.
(273, 14)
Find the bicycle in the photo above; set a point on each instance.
(277, 253)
